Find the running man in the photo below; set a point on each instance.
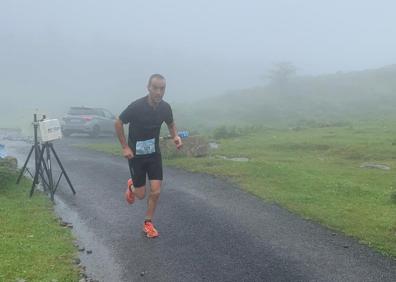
(145, 117)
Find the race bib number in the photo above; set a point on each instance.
(145, 147)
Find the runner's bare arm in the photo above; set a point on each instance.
(173, 132)
(119, 128)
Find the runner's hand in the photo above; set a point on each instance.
(127, 152)
(178, 142)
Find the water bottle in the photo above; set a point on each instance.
(183, 134)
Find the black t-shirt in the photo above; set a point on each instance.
(145, 124)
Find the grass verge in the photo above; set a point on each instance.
(34, 247)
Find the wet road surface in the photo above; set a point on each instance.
(209, 229)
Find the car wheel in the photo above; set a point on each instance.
(95, 131)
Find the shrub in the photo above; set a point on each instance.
(223, 132)
(194, 146)
(6, 175)
(8, 169)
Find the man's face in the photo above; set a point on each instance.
(156, 89)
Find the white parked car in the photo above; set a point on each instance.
(92, 121)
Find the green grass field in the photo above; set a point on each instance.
(34, 247)
(316, 173)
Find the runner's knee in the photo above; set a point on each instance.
(140, 193)
(155, 192)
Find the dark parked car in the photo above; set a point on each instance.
(93, 121)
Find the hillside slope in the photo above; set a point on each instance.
(340, 97)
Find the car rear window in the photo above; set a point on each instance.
(82, 111)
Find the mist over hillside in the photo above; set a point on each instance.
(339, 97)
(57, 54)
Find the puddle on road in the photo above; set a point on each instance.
(99, 264)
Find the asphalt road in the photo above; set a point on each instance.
(209, 229)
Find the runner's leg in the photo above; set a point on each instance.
(154, 171)
(152, 200)
(138, 175)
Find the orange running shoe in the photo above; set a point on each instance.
(129, 196)
(149, 229)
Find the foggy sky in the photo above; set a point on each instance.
(102, 52)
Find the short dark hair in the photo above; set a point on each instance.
(156, 75)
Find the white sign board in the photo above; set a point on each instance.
(50, 130)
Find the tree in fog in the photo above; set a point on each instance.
(280, 74)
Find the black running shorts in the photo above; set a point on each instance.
(140, 167)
